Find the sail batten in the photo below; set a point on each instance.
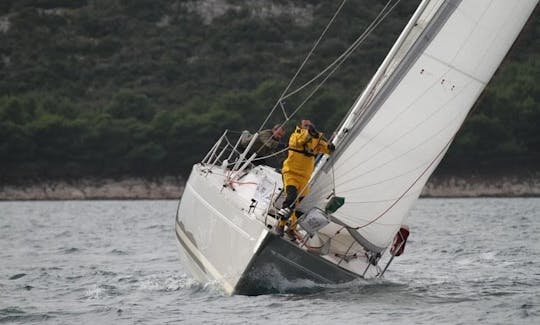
(403, 123)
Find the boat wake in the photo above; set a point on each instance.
(182, 283)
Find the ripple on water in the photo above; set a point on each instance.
(14, 314)
(118, 252)
(124, 267)
(17, 276)
(104, 273)
(10, 310)
(50, 268)
(63, 234)
(70, 250)
(128, 279)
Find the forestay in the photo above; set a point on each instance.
(400, 127)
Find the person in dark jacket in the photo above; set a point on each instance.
(267, 143)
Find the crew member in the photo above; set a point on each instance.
(304, 144)
(267, 143)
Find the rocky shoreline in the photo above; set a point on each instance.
(96, 189)
(483, 186)
(172, 187)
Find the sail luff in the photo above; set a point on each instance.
(358, 109)
(413, 111)
(359, 104)
(423, 34)
(382, 75)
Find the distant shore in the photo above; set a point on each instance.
(96, 189)
(172, 187)
(483, 186)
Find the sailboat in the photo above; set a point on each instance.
(387, 146)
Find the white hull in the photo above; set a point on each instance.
(221, 236)
(222, 240)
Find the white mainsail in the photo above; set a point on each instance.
(401, 126)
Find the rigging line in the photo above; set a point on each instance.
(332, 71)
(345, 254)
(272, 154)
(407, 108)
(348, 51)
(333, 181)
(229, 144)
(452, 67)
(411, 193)
(449, 63)
(379, 83)
(232, 131)
(341, 60)
(359, 109)
(283, 109)
(304, 62)
(410, 187)
(410, 150)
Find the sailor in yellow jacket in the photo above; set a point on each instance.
(304, 144)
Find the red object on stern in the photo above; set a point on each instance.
(400, 240)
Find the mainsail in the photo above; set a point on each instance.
(403, 123)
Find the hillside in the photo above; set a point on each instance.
(109, 88)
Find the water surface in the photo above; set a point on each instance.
(467, 261)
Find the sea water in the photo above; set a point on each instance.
(468, 261)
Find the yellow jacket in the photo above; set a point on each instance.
(302, 150)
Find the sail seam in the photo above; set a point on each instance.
(375, 201)
(399, 138)
(413, 53)
(409, 188)
(453, 67)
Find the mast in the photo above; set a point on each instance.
(367, 94)
(404, 121)
(359, 109)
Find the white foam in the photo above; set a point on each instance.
(94, 293)
(488, 255)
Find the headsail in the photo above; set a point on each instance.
(401, 126)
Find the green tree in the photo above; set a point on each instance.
(127, 103)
